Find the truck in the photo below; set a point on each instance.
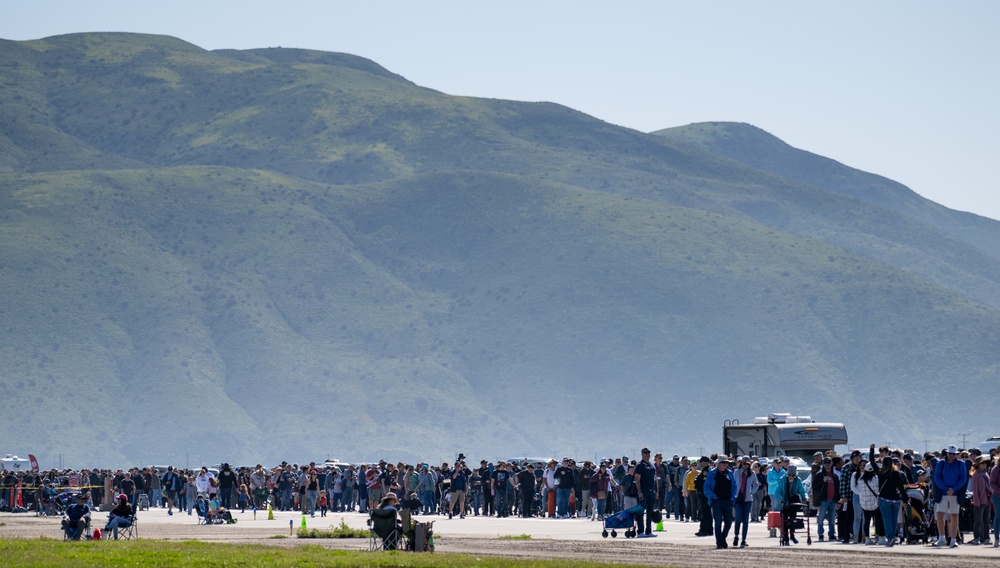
(780, 434)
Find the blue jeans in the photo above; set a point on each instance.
(116, 522)
(347, 500)
(722, 512)
(562, 501)
(312, 496)
(859, 515)
(155, 497)
(678, 499)
(477, 500)
(828, 511)
(890, 512)
(427, 498)
(742, 515)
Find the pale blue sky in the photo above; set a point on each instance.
(905, 89)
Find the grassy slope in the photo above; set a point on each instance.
(238, 302)
(472, 264)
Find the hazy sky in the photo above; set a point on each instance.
(905, 89)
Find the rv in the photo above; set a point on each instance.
(780, 434)
(11, 462)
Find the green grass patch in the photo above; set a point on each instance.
(339, 531)
(515, 537)
(50, 552)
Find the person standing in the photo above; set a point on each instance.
(826, 492)
(980, 486)
(704, 508)
(127, 486)
(759, 470)
(171, 483)
(227, 484)
(850, 504)
(549, 488)
(645, 485)
(349, 484)
(891, 493)
(951, 476)
(662, 478)
(500, 481)
(774, 478)
(995, 497)
(564, 485)
(459, 488)
(691, 502)
(746, 484)
(586, 507)
(677, 489)
(720, 490)
(485, 478)
(155, 488)
(425, 489)
(525, 484)
(668, 485)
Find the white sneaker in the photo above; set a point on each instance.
(940, 541)
(954, 544)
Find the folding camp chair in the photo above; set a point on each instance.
(383, 530)
(77, 532)
(127, 532)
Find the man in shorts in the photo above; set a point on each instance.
(951, 476)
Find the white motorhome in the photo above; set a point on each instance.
(779, 434)
(989, 444)
(11, 462)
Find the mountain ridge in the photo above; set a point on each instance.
(291, 251)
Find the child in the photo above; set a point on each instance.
(322, 503)
(244, 497)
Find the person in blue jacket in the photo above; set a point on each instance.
(790, 491)
(951, 476)
(720, 490)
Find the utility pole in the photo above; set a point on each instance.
(926, 442)
(964, 436)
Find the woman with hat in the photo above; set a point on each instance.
(121, 515)
(389, 502)
(981, 501)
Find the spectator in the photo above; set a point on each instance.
(746, 484)
(645, 484)
(950, 479)
(981, 501)
(995, 496)
(705, 528)
(525, 484)
(564, 485)
(849, 499)
(121, 515)
(720, 489)
(826, 492)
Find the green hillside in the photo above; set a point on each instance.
(288, 254)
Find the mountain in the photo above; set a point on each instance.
(271, 254)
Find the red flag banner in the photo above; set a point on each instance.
(34, 462)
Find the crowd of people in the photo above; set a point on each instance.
(902, 495)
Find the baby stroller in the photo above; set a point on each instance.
(794, 516)
(915, 523)
(624, 520)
